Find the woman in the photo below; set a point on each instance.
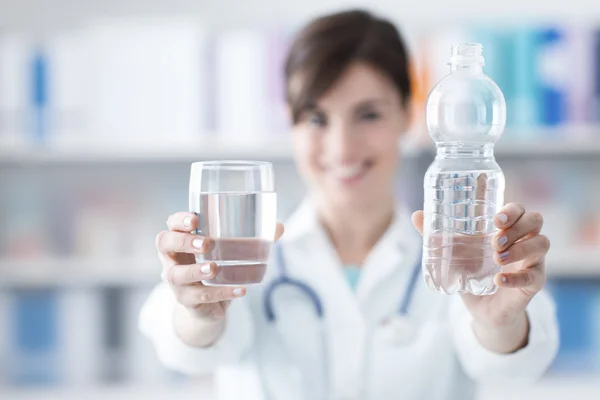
(349, 96)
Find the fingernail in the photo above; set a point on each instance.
(238, 291)
(504, 255)
(503, 279)
(187, 222)
(503, 218)
(198, 243)
(502, 240)
(205, 269)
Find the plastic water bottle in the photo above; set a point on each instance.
(464, 186)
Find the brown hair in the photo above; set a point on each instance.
(325, 47)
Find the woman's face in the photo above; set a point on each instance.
(346, 147)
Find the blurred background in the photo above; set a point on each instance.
(104, 104)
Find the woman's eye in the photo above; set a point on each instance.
(369, 116)
(317, 119)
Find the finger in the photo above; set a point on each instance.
(211, 310)
(508, 215)
(226, 304)
(514, 279)
(533, 277)
(529, 224)
(182, 222)
(218, 311)
(417, 220)
(531, 250)
(279, 231)
(168, 259)
(180, 242)
(193, 295)
(165, 260)
(186, 274)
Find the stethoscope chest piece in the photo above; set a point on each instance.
(399, 330)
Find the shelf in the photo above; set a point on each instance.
(573, 263)
(78, 272)
(275, 148)
(207, 148)
(550, 388)
(136, 271)
(185, 391)
(548, 148)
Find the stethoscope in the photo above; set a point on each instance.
(398, 329)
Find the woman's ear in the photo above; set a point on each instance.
(406, 117)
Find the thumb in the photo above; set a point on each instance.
(279, 231)
(417, 220)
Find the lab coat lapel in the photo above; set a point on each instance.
(318, 262)
(313, 259)
(396, 250)
(345, 324)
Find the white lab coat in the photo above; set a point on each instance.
(445, 361)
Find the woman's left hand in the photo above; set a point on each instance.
(500, 320)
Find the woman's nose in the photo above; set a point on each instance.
(342, 144)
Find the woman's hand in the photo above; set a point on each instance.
(500, 321)
(198, 318)
(177, 248)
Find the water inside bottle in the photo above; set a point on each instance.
(458, 254)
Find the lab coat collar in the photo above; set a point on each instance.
(312, 259)
(397, 248)
(302, 222)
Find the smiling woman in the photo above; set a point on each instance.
(319, 325)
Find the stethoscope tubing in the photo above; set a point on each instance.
(285, 280)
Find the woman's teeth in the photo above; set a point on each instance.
(348, 172)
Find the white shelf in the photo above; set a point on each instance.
(550, 388)
(185, 391)
(276, 148)
(78, 272)
(136, 271)
(573, 263)
(548, 148)
(272, 149)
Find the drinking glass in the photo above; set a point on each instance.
(236, 206)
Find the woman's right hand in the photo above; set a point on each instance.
(177, 248)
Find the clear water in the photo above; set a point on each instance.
(458, 227)
(241, 228)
